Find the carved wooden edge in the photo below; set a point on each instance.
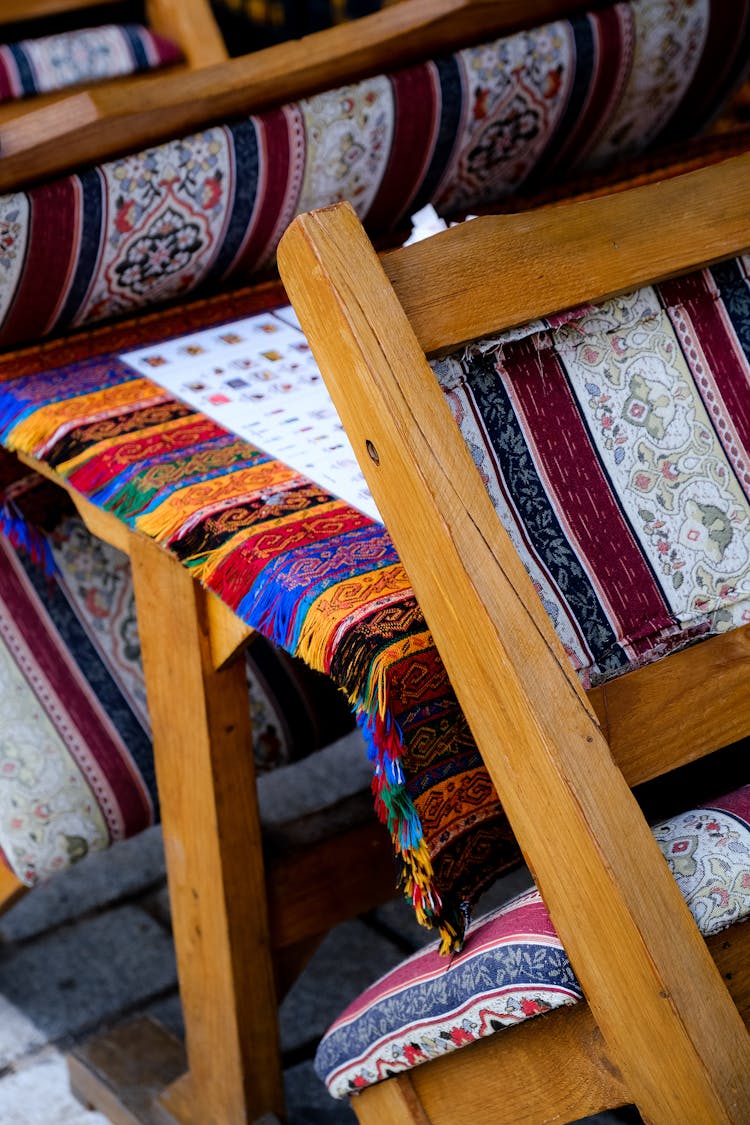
(568, 254)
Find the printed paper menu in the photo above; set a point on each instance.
(257, 378)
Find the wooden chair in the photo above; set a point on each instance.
(669, 1035)
(214, 923)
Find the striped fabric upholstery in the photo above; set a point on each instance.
(513, 966)
(72, 58)
(460, 131)
(76, 762)
(616, 448)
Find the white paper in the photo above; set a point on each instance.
(257, 378)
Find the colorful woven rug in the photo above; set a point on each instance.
(311, 574)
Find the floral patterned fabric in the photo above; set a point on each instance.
(76, 765)
(513, 967)
(459, 132)
(54, 62)
(616, 448)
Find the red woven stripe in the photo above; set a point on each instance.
(737, 803)
(239, 570)
(53, 238)
(416, 95)
(727, 363)
(273, 176)
(163, 51)
(105, 465)
(7, 89)
(577, 486)
(613, 36)
(53, 661)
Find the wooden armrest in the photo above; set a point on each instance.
(101, 122)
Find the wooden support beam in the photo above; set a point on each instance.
(206, 778)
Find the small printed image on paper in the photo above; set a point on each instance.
(257, 377)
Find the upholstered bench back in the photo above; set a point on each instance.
(76, 762)
(459, 131)
(615, 444)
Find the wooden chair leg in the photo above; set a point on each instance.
(11, 888)
(206, 779)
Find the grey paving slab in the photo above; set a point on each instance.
(38, 1094)
(349, 959)
(335, 772)
(168, 1012)
(156, 903)
(19, 1035)
(309, 1103)
(97, 881)
(68, 981)
(398, 917)
(504, 889)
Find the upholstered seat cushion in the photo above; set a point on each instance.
(513, 967)
(76, 763)
(54, 62)
(460, 131)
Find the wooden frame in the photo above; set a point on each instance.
(670, 1027)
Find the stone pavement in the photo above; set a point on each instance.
(93, 948)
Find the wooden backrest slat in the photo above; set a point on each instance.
(516, 268)
(17, 11)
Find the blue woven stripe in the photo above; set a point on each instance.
(25, 73)
(92, 188)
(244, 143)
(134, 38)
